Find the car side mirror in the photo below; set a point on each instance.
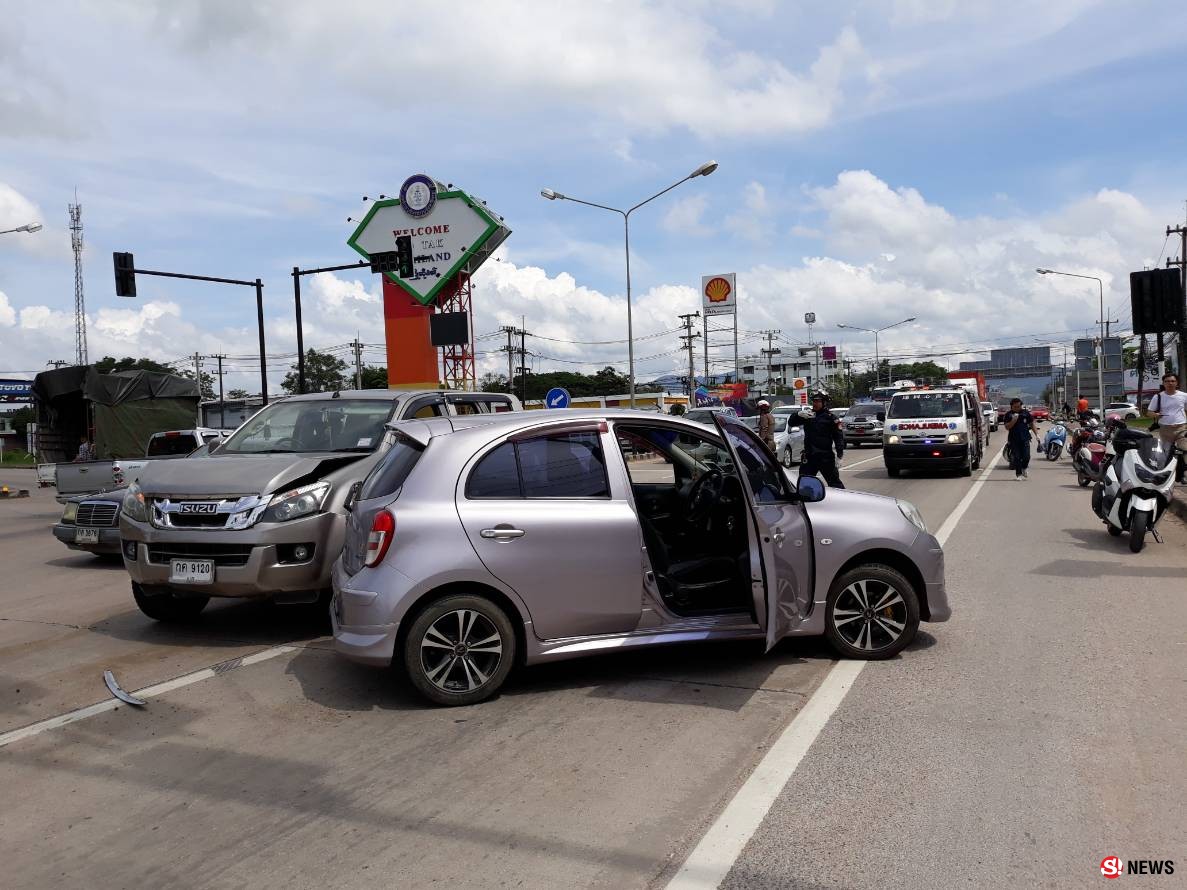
(810, 489)
(351, 496)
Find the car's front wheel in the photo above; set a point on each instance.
(459, 650)
(166, 607)
(786, 459)
(871, 612)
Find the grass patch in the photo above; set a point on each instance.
(18, 458)
(1139, 423)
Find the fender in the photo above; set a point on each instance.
(1148, 504)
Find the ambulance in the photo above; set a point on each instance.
(933, 429)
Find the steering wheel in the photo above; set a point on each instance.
(704, 496)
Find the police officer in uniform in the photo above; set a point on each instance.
(822, 434)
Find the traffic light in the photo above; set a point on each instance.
(404, 255)
(1156, 301)
(385, 261)
(125, 275)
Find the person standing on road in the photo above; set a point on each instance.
(1020, 425)
(766, 424)
(822, 434)
(1169, 408)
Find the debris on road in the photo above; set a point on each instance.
(115, 689)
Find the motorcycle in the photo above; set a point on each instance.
(1135, 487)
(1087, 448)
(1054, 442)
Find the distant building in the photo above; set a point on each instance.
(794, 363)
(1022, 372)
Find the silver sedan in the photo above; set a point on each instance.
(482, 542)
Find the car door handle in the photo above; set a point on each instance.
(502, 533)
(778, 536)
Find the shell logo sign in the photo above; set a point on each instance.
(719, 294)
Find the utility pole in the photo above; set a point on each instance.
(769, 352)
(689, 337)
(198, 372)
(220, 358)
(1181, 262)
(511, 331)
(523, 364)
(358, 362)
(58, 363)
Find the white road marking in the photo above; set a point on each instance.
(711, 859)
(860, 462)
(111, 704)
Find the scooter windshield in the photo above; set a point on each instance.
(1155, 453)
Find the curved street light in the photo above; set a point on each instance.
(27, 227)
(876, 332)
(1100, 359)
(704, 170)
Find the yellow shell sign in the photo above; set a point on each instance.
(719, 294)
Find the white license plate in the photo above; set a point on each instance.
(86, 536)
(191, 571)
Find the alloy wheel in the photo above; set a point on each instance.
(870, 615)
(461, 651)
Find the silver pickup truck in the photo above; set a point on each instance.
(264, 516)
(96, 476)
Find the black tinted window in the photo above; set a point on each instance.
(564, 466)
(762, 474)
(171, 445)
(496, 475)
(389, 474)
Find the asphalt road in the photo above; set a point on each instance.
(303, 770)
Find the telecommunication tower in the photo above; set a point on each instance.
(80, 309)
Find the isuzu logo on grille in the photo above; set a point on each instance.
(199, 508)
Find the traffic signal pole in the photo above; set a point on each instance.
(297, 273)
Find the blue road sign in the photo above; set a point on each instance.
(557, 397)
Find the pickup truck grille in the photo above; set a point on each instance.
(219, 554)
(97, 514)
(198, 520)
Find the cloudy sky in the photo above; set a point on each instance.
(879, 158)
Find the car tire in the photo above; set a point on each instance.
(167, 608)
(449, 679)
(786, 459)
(892, 471)
(871, 613)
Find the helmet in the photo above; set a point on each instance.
(1082, 405)
(763, 403)
(821, 395)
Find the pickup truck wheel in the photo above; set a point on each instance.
(459, 650)
(168, 608)
(893, 472)
(871, 613)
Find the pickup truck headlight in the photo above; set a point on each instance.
(957, 438)
(912, 513)
(134, 505)
(70, 513)
(893, 440)
(296, 503)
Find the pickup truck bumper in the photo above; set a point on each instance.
(109, 539)
(253, 563)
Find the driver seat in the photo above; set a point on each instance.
(698, 585)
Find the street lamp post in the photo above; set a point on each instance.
(703, 170)
(27, 227)
(876, 332)
(1100, 359)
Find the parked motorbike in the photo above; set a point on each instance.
(1054, 442)
(1087, 449)
(1136, 486)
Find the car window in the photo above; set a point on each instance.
(560, 465)
(646, 464)
(496, 476)
(466, 407)
(171, 446)
(389, 474)
(566, 465)
(764, 477)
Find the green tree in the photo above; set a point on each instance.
(237, 394)
(492, 382)
(374, 377)
(323, 373)
(206, 384)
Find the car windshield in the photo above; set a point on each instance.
(865, 409)
(911, 406)
(302, 426)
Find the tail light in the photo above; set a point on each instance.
(383, 529)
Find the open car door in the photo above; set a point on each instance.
(784, 597)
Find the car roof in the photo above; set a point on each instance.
(512, 420)
(384, 395)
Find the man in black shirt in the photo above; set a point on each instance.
(822, 433)
(1020, 425)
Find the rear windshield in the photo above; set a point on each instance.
(387, 476)
(182, 443)
(911, 406)
(294, 427)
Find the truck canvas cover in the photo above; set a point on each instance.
(132, 405)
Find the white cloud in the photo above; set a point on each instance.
(7, 313)
(685, 216)
(755, 219)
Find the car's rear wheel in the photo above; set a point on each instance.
(892, 471)
(166, 607)
(459, 650)
(872, 612)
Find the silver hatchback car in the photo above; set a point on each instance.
(483, 542)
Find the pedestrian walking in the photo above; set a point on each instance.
(822, 435)
(1020, 425)
(1169, 408)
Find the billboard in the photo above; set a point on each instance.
(16, 390)
(828, 353)
(719, 294)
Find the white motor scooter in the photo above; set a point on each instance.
(1136, 486)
